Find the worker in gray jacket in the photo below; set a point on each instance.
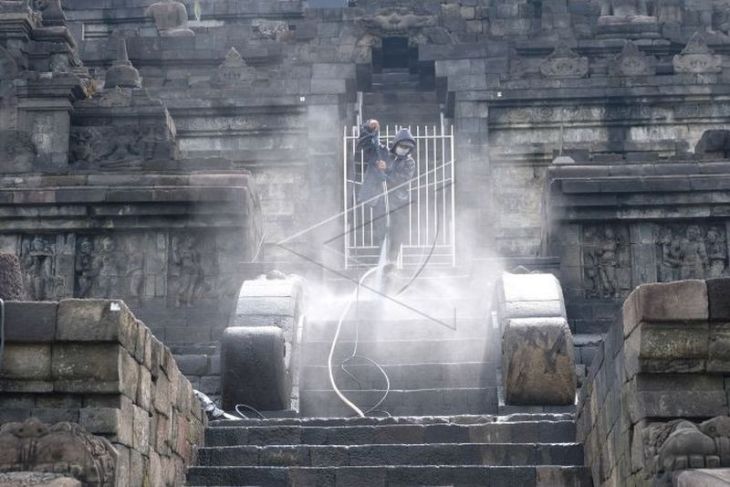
(386, 185)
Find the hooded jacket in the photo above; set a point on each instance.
(399, 170)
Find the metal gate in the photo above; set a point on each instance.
(431, 213)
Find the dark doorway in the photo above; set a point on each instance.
(396, 53)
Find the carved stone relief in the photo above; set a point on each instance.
(107, 267)
(63, 448)
(41, 258)
(697, 57)
(606, 261)
(691, 252)
(234, 72)
(116, 147)
(632, 62)
(563, 62)
(276, 30)
(681, 444)
(186, 270)
(171, 18)
(392, 21)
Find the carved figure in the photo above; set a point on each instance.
(105, 268)
(84, 268)
(716, 252)
(63, 448)
(190, 271)
(171, 18)
(135, 270)
(606, 256)
(693, 254)
(37, 258)
(601, 262)
(671, 257)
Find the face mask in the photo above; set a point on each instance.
(402, 150)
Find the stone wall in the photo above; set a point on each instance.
(93, 363)
(664, 360)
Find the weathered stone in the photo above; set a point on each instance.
(26, 362)
(27, 321)
(171, 18)
(253, 368)
(30, 479)
(11, 280)
(122, 74)
(91, 320)
(538, 362)
(665, 302)
(714, 477)
(66, 448)
(718, 292)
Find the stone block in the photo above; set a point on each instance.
(144, 389)
(97, 320)
(192, 364)
(538, 362)
(718, 293)
(27, 321)
(102, 421)
(253, 368)
(137, 468)
(718, 359)
(26, 362)
(141, 430)
(710, 477)
(664, 302)
(673, 347)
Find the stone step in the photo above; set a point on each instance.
(385, 86)
(394, 76)
(442, 327)
(489, 454)
(399, 98)
(403, 351)
(381, 476)
(494, 432)
(462, 419)
(444, 401)
(363, 375)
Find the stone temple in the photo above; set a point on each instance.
(199, 291)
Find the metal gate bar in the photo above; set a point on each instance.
(431, 206)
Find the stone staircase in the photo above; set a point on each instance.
(520, 450)
(439, 424)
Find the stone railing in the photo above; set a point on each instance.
(660, 372)
(91, 363)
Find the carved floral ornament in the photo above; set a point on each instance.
(63, 448)
(563, 62)
(697, 57)
(396, 20)
(633, 62)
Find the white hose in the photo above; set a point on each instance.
(345, 311)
